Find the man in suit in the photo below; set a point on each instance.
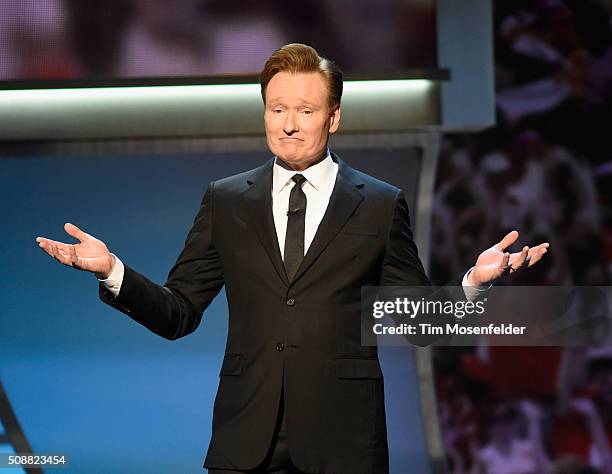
(293, 241)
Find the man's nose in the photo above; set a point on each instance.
(291, 124)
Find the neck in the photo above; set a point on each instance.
(300, 166)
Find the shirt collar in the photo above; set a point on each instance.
(318, 175)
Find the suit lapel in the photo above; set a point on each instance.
(258, 200)
(343, 201)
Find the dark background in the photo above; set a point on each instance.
(545, 169)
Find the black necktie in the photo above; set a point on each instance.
(296, 223)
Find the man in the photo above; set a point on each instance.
(293, 241)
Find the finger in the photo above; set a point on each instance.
(46, 248)
(74, 258)
(540, 247)
(44, 240)
(55, 253)
(64, 248)
(504, 265)
(50, 242)
(507, 241)
(50, 248)
(536, 254)
(60, 257)
(75, 232)
(518, 259)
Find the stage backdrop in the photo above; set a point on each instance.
(87, 381)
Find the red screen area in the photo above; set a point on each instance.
(83, 39)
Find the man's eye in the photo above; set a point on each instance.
(278, 111)
(307, 112)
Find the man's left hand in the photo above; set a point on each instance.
(496, 262)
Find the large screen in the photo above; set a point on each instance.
(93, 40)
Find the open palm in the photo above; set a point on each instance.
(496, 262)
(90, 254)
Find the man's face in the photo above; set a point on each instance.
(297, 117)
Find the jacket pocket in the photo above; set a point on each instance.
(358, 369)
(232, 364)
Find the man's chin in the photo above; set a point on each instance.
(290, 154)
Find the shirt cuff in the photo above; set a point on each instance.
(114, 280)
(473, 292)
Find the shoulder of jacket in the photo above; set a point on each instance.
(376, 186)
(235, 183)
(231, 181)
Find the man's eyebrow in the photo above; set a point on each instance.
(310, 105)
(275, 100)
(280, 101)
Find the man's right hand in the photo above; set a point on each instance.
(90, 254)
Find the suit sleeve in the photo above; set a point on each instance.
(403, 271)
(175, 309)
(402, 265)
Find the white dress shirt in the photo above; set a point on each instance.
(320, 180)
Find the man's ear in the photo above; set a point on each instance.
(334, 119)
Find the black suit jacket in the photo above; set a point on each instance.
(303, 333)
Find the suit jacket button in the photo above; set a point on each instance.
(290, 302)
(280, 347)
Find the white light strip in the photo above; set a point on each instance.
(214, 90)
(130, 93)
(197, 110)
(416, 85)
